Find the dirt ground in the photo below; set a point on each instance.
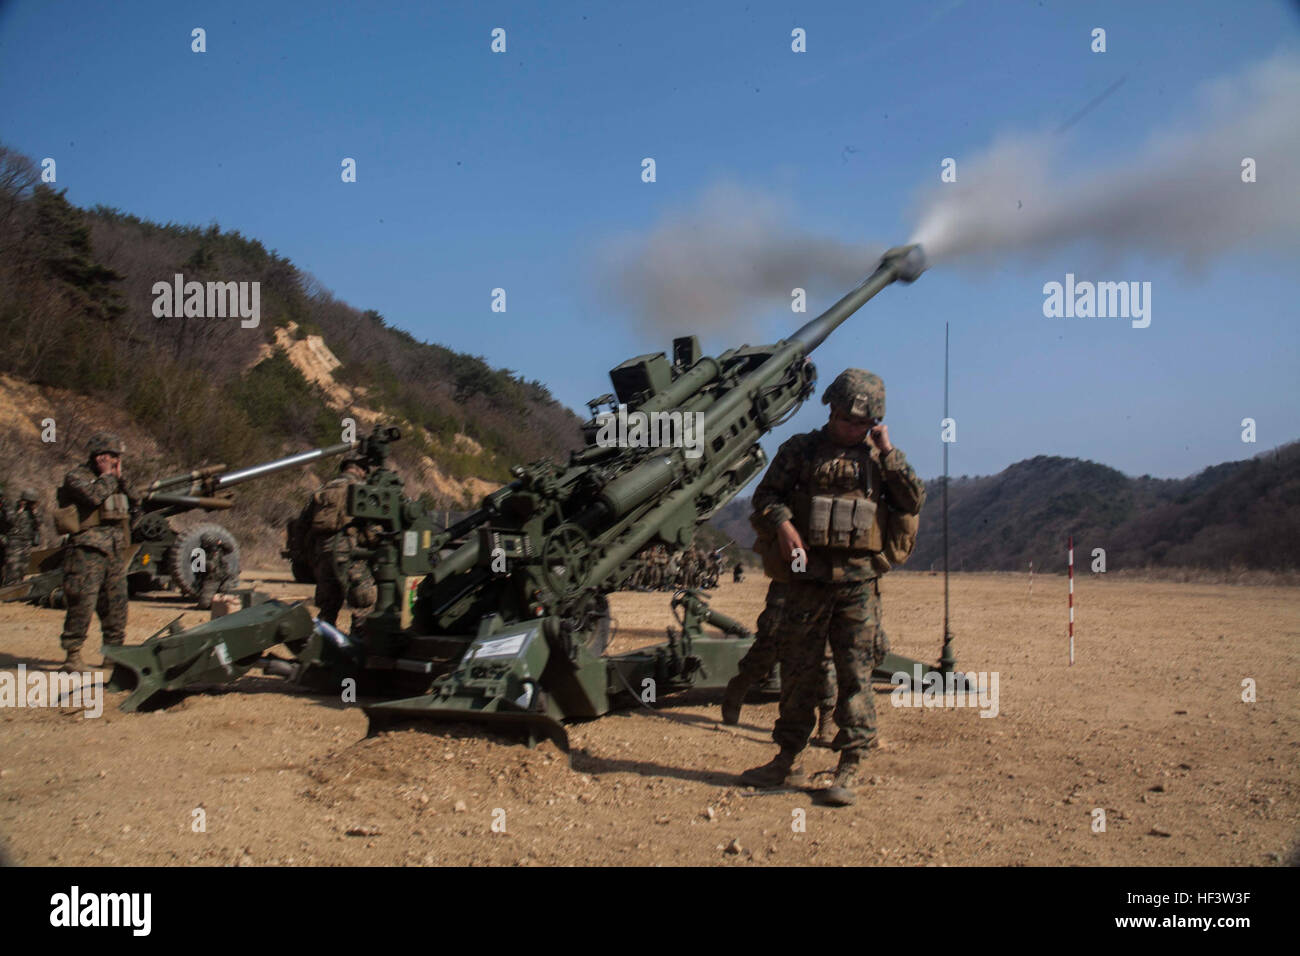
(1149, 726)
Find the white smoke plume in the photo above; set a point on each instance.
(1181, 196)
(723, 258)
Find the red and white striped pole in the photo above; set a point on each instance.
(1070, 546)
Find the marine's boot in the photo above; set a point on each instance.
(74, 663)
(732, 700)
(840, 793)
(825, 729)
(780, 771)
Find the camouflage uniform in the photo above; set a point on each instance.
(339, 577)
(777, 619)
(94, 567)
(690, 569)
(218, 575)
(5, 524)
(836, 599)
(22, 535)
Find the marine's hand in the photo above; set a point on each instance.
(789, 538)
(880, 438)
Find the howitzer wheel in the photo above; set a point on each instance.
(566, 559)
(221, 556)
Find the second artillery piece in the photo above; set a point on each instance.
(166, 557)
(200, 561)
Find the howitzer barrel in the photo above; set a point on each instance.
(192, 501)
(280, 464)
(188, 479)
(901, 264)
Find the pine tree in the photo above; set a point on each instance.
(59, 241)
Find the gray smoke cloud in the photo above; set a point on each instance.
(1181, 196)
(718, 261)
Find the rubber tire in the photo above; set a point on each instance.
(178, 558)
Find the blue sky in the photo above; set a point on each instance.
(478, 170)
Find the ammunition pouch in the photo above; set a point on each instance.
(775, 564)
(900, 535)
(849, 522)
(115, 509)
(68, 521)
(768, 547)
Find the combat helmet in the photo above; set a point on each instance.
(857, 392)
(106, 442)
(28, 494)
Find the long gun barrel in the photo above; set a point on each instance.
(199, 488)
(280, 464)
(190, 479)
(900, 264)
(191, 501)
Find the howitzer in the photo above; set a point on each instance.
(510, 619)
(163, 557)
(167, 556)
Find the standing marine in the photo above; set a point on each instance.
(22, 536)
(334, 536)
(715, 569)
(836, 509)
(4, 528)
(95, 512)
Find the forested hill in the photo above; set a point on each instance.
(77, 306)
(1240, 514)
